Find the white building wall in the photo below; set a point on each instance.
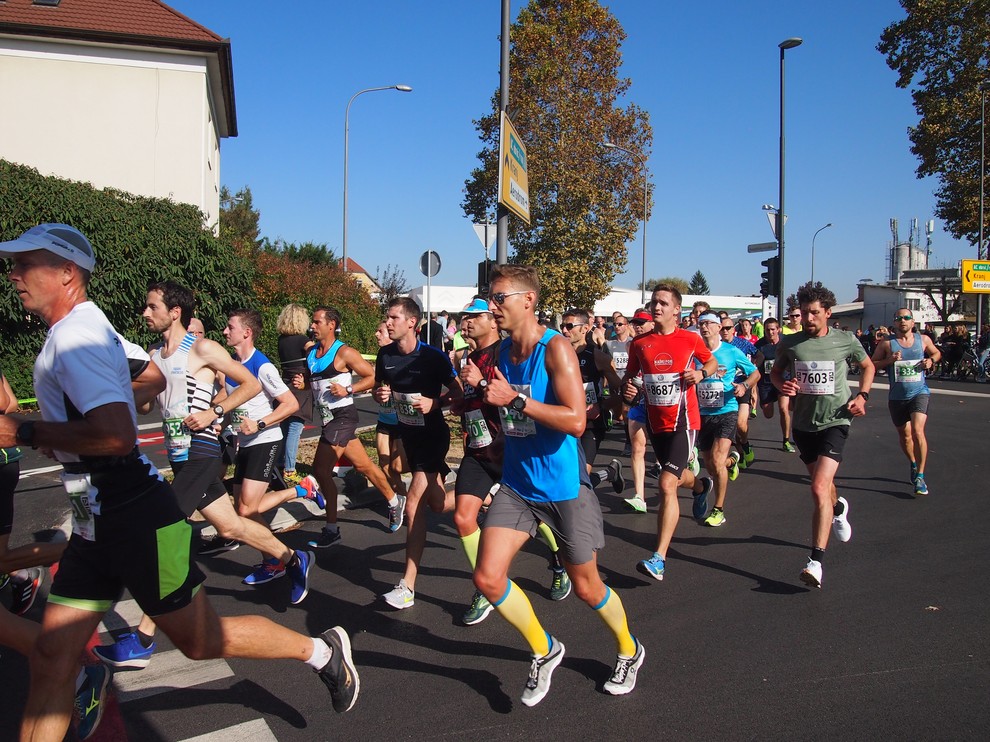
(134, 120)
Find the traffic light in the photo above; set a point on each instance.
(484, 271)
(770, 278)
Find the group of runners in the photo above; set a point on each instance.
(534, 412)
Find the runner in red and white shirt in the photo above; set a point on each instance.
(669, 359)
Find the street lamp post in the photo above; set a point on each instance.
(347, 113)
(646, 202)
(813, 251)
(984, 86)
(784, 45)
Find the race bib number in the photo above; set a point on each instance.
(815, 377)
(621, 360)
(478, 434)
(908, 371)
(386, 412)
(516, 424)
(711, 395)
(590, 393)
(322, 412)
(177, 436)
(238, 414)
(82, 501)
(662, 390)
(407, 414)
(767, 367)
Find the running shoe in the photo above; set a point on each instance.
(478, 610)
(400, 597)
(700, 505)
(540, 671)
(716, 518)
(340, 675)
(623, 678)
(811, 575)
(693, 463)
(920, 487)
(560, 585)
(268, 570)
(24, 590)
(652, 567)
(732, 464)
(309, 488)
(90, 699)
(752, 413)
(637, 503)
(127, 652)
(627, 450)
(914, 471)
(615, 476)
(840, 523)
(326, 539)
(749, 455)
(218, 545)
(397, 514)
(654, 471)
(4, 579)
(291, 477)
(299, 575)
(788, 447)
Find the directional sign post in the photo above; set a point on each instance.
(761, 247)
(975, 276)
(513, 178)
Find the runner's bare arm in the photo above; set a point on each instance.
(107, 430)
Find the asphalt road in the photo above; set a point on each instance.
(894, 646)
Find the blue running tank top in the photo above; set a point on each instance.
(907, 377)
(541, 464)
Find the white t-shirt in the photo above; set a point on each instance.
(260, 404)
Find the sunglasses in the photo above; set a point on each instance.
(499, 298)
(904, 317)
(639, 322)
(571, 325)
(621, 324)
(725, 329)
(794, 316)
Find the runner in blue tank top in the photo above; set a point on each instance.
(909, 355)
(537, 388)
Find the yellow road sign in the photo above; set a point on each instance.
(975, 276)
(513, 180)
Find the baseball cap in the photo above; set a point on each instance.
(477, 306)
(709, 317)
(65, 241)
(642, 315)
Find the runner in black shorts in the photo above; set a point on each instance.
(52, 264)
(411, 376)
(766, 351)
(388, 441)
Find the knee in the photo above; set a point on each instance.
(491, 586)
(245, 510)
(200, 648)
(587, 592)
(465, 522)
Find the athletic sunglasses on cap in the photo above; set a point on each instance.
(499, 298)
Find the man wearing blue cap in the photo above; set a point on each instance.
(128, 529)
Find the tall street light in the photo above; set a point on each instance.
(984, 86)
(646, 201)
(784, 46)
(347, 113)
(813, 252)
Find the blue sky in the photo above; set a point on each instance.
(708, 74)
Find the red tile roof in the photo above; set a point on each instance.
(133, 17)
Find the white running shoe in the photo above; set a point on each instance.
(811, 575)
(841, 527)
(540, 671)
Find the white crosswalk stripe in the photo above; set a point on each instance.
(249, 731)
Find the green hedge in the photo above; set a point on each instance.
(137, 240)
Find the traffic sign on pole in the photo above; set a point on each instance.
(761, 247)
(975, 276)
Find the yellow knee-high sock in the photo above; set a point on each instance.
(544, 530)
(518, 611)
(470, 544)
(610, 610)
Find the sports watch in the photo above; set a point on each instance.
(518, 404)
(218, 410)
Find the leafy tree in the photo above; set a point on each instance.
(699, 285)
(239, 220)
(306, 252)
(392, 282)
(678, 283)
(941, 49)
(586, 202)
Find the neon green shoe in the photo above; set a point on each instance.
(788, 447)
(716, 519)
(732, 464)
(749, 455)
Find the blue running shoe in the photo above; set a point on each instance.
(127, 652)
(90, 699)
(914, 471)
(920, 486)
(699, 508)
(310, 489)
(268, 570)
(299, 574)
(652, 567)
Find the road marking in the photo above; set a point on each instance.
(123, 615)
(168, 671)
(249, 731)
(947, 392)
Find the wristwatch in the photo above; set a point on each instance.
(704, 374)
(262, 425)
(218, 410)
(518, 404)
(864, 395)
(483, 384)
(25, 434)
(349, 389)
